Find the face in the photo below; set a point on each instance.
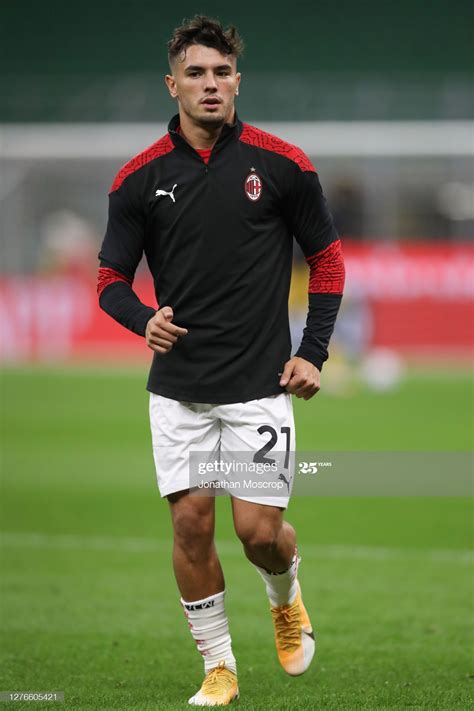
(205, 83)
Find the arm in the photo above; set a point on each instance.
(312, 225)
(119, 256)
(326, 283)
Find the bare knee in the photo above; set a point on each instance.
(193, 527)
(259, 536)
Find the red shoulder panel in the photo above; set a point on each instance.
(256, 137)
(163, 146)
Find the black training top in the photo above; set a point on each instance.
(218, 240)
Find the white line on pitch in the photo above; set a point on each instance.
(145, 545)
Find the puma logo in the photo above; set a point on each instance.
(282, 477)
(163, 192)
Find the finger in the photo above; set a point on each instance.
(303, 388)
(300, 392)
(157, 349)
(311, 390)
(299, 381)
(287, 373)
(311, 393)
(163, 342)
(167, 312)
(294, 389)
(173, 329)
(155, 346)
(164, 335)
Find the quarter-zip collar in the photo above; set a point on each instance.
(228, 133)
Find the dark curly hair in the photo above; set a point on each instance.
(208, 32)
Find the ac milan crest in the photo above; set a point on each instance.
(253, 187)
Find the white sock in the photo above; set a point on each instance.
(209, 626)
(281, 587)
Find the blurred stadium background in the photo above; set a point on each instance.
(385, 114)
(381, 97)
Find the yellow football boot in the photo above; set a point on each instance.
(294, 636)
(219, 688)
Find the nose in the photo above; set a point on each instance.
(210, 83)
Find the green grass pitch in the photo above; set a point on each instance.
(88, 600)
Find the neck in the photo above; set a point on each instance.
(199, 136)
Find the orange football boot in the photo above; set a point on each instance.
(219, 688)
(294, 636)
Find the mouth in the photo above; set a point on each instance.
(211, 102)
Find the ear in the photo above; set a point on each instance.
(171, 84)
(238, 77)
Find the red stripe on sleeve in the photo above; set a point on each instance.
(109, 276)
(326, 270)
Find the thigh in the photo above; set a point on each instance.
(261, 428)
(178, 428)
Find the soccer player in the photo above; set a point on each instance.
(214, 205)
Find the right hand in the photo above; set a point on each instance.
(161, 334)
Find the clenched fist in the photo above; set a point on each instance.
(161, 334)
(300, 378)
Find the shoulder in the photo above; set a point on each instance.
(160, 148)
(268, 142)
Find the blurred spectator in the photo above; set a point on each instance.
(69, 245)
(346, 203)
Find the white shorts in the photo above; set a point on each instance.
(182, 431)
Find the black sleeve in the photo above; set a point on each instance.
(322, 314)
(308, 214)
(121, 252)
(121, 303)
(313, 228)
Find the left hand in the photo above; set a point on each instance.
(301, 378)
